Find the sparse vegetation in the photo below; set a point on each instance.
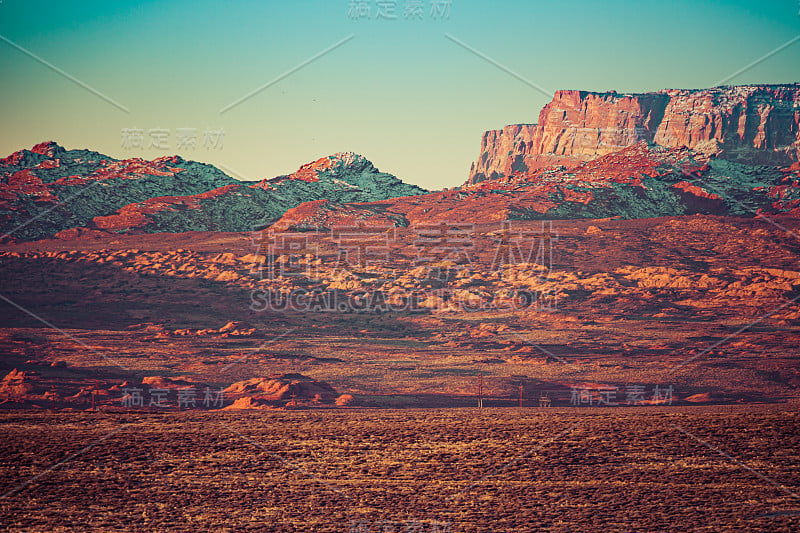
(477, 471)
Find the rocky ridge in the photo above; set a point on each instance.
(48, 189)
(644, 180)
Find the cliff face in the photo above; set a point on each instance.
(748, 124)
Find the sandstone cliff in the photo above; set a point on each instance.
(748, 124)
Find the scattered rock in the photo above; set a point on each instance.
(344, 400)
(16, 386)
(593, 230)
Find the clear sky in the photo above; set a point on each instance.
(396, 90)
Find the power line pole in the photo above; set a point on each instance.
(480, 391)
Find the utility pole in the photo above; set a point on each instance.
(480, 391)
(53, 390)
(94, 396)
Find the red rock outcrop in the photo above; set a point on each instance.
(279, 388)
(134, 216)
(16, 386)
(749, 124)
(324, 214)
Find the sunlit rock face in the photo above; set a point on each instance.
(754, 124)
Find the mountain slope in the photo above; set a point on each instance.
(47, 190)
(641, 181)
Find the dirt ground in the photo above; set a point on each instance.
(703, 307)
(713, 468)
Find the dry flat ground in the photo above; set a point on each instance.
(713, 468)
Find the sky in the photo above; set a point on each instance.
(260, 88)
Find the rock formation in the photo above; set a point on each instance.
(643, 180)
(277, 390)
(48, 190)
(757, 124)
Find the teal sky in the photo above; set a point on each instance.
(399, 91)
